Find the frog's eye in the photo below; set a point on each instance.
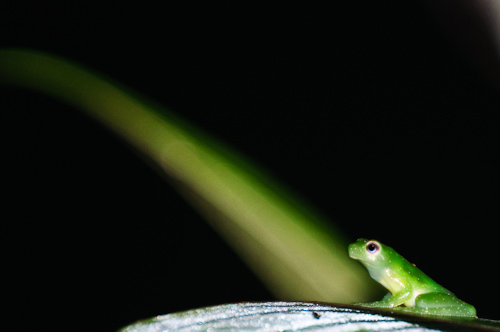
(372, 247)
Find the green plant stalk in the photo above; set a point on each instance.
(288, 246)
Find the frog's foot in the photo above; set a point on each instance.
(377, 304)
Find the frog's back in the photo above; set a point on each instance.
(421, 281)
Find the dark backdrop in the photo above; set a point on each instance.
(366, 109)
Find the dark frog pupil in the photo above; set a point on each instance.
(372, 248)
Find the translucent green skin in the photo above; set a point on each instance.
(407, 285)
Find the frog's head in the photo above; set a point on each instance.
(371, 253)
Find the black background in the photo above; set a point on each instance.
(366, 109)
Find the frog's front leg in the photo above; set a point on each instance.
(440, 304)
(392, 301)
(386, 296)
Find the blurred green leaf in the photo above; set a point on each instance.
(289, 246)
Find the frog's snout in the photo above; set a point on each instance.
(351, 250)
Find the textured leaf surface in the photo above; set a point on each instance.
(300, 316)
